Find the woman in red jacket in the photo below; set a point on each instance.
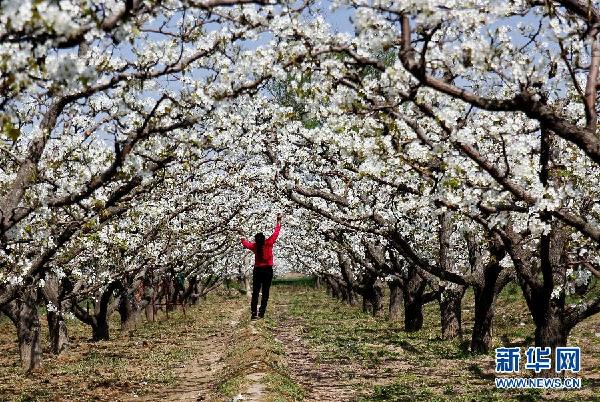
(262, 274)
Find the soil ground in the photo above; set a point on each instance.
(310, 347)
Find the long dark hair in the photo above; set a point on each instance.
(259, 240)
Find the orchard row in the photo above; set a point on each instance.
(435, 148)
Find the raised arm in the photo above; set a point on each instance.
(273, 237)
(247, 244)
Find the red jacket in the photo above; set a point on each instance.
(267, 254)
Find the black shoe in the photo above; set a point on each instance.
(261, 315)
(254, 317)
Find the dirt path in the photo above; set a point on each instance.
(323, 381)
(327, 379)
(255, 391)
(241, 353)
(201, 376)
(255, 388)
(310, 349)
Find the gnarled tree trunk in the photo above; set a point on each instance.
(485, 297)
(449, 297)
(450, 302)
(377, 298)
(395, 307)
(128, 311)
(100, 328)
(373, 297)
(413, 312)
(413, 301)
(552, 331)
(148, 299)
(333, 288)
(24, 314)
(57, 331)
(98, 320)
(481, 338)
(57, 327)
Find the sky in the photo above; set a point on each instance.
(339, 19)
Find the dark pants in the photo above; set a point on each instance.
(261, 278)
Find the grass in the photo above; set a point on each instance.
(231, 386)
(372, 356)
(253, 349)
(138, 363)
(420, 365)
(283, 388)
(400, 392)
(299, 281)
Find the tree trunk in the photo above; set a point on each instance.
(377, 298)
(247, 287)
(149, 300)
(552, 331)
(344, 294)
(367, 307)
(413, 312)
(449, 298)
(149, 311)
(349, 283)
(196, 291)
(171, 295)
(127, 311)
(373, 297)
(335, 291)
(395, 307)
(100, 329)
(57, 331)
(450, 301)
(481, 338)
(349, 296)
(57, 328)
(29, 330)
(414, 287)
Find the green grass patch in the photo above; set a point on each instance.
(283, 388)
(303, 281)
(231, 386)
(420, 365)
(401, 392)
(139, 362)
